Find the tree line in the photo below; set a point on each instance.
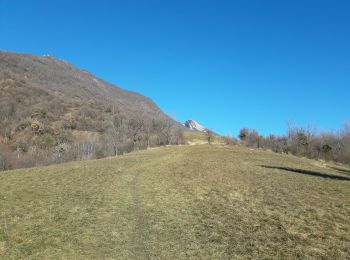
(303, 141)
(37, 128)
(119, 136)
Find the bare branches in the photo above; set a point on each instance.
(304, 142)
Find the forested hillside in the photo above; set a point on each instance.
(52, 112)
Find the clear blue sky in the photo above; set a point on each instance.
(227, 64)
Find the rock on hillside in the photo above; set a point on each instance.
(193, 125)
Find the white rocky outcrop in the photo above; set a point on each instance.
(195, 126)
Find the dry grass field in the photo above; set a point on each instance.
(198, 138)
(179, 202)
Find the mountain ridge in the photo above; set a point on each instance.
(83, 84)
(194, 126)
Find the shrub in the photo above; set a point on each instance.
(37, 127)
(40, 113)
(64, 136)
(48, 141)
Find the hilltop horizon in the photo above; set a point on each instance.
(243, 65)
(287, 122)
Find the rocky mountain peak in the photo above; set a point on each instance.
(195, 126)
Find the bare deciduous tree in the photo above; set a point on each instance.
(210, 136)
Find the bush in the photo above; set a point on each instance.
(37, 127)
(68, 124)
(48, 141)
(64, 136)
(39, 113)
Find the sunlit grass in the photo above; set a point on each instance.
(195, 137)
(188, 202)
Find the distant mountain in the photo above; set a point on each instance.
(195, 126)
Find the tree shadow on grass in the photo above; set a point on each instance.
(308, 172)
(343, 171)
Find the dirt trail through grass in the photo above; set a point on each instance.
(138, 235)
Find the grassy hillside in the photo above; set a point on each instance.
(196, 137)
(185, 202)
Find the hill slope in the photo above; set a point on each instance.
(51, 112)
(59, 78)
(179, 202)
